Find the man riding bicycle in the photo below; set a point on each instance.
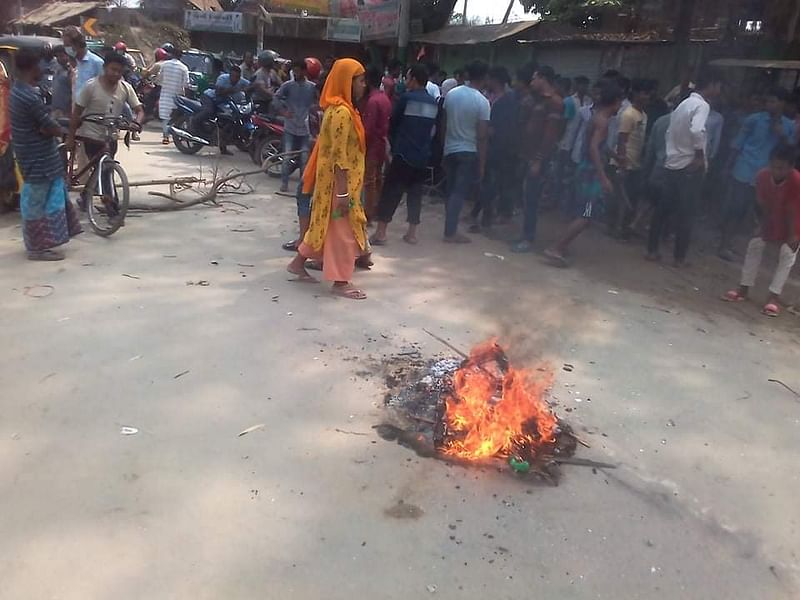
(106, 96)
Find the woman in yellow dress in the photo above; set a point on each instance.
(335, 173)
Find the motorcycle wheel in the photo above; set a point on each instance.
(185, 146)
(265, 149)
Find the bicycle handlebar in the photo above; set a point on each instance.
(112, 122)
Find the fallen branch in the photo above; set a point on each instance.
(583, 462)
(446, 343)
(779, 382)
(349, 432)
(216, 188)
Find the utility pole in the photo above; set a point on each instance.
(404, 29)
(791, 30)
(464, 14)
(508, 11)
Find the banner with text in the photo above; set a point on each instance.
(379, 18)
(315, 7)
(206, 20)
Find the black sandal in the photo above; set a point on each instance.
(290, 246)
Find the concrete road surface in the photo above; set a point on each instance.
(668, 382)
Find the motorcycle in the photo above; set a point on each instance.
(232, 124)
(148, 92)
(268, 142)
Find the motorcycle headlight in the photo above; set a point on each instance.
(246, 108)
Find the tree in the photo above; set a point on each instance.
(434, 14)
(577, 12)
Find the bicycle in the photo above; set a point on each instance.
(106, 194)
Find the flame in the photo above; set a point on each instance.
(495, 409)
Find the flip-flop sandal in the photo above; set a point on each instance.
(410, 240)
(314, 265)
(556, 259)
(349, 293)
(771, 309)
(376, 242)
(733, 296)
(290, 246)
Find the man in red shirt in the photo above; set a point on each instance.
(376, 110)
(778, 193)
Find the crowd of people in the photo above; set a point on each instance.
(611, 152)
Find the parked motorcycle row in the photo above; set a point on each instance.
(255, 130)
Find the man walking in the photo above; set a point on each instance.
(761, 132)
(61, 102)
(173, 77)
(542, 121)
(628, 155)
(411, 134)
(467, 114)
(48, 217)
(778, 195)
(249, 67)
(685, 166)
(501, 159)
(297, 98)
(87, 64)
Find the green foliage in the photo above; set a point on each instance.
(572, 10)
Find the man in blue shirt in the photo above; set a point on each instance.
(296, 99)
(87, 64)
(411, 136)
(761, 132)
(501, 156)
(227, 85)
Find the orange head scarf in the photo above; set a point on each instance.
(338, 91)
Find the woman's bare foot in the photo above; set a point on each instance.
(297, 268)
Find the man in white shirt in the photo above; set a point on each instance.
(432, 87)
(685, 165)
(467, 114)
(173, 78)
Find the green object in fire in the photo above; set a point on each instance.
(519, 466)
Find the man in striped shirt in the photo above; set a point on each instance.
(173, 79)
(48, 217)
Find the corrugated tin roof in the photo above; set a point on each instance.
(549, 32)
(54, 13)
(789, 65)
(458, 35)
(206, 4)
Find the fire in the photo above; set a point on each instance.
(495, 409)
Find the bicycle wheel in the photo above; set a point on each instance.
(107, 211)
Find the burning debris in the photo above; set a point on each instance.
(480, 410)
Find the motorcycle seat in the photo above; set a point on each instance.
(194, 105)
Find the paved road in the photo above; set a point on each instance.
(673, 386)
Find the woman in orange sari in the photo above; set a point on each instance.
(335, 173)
